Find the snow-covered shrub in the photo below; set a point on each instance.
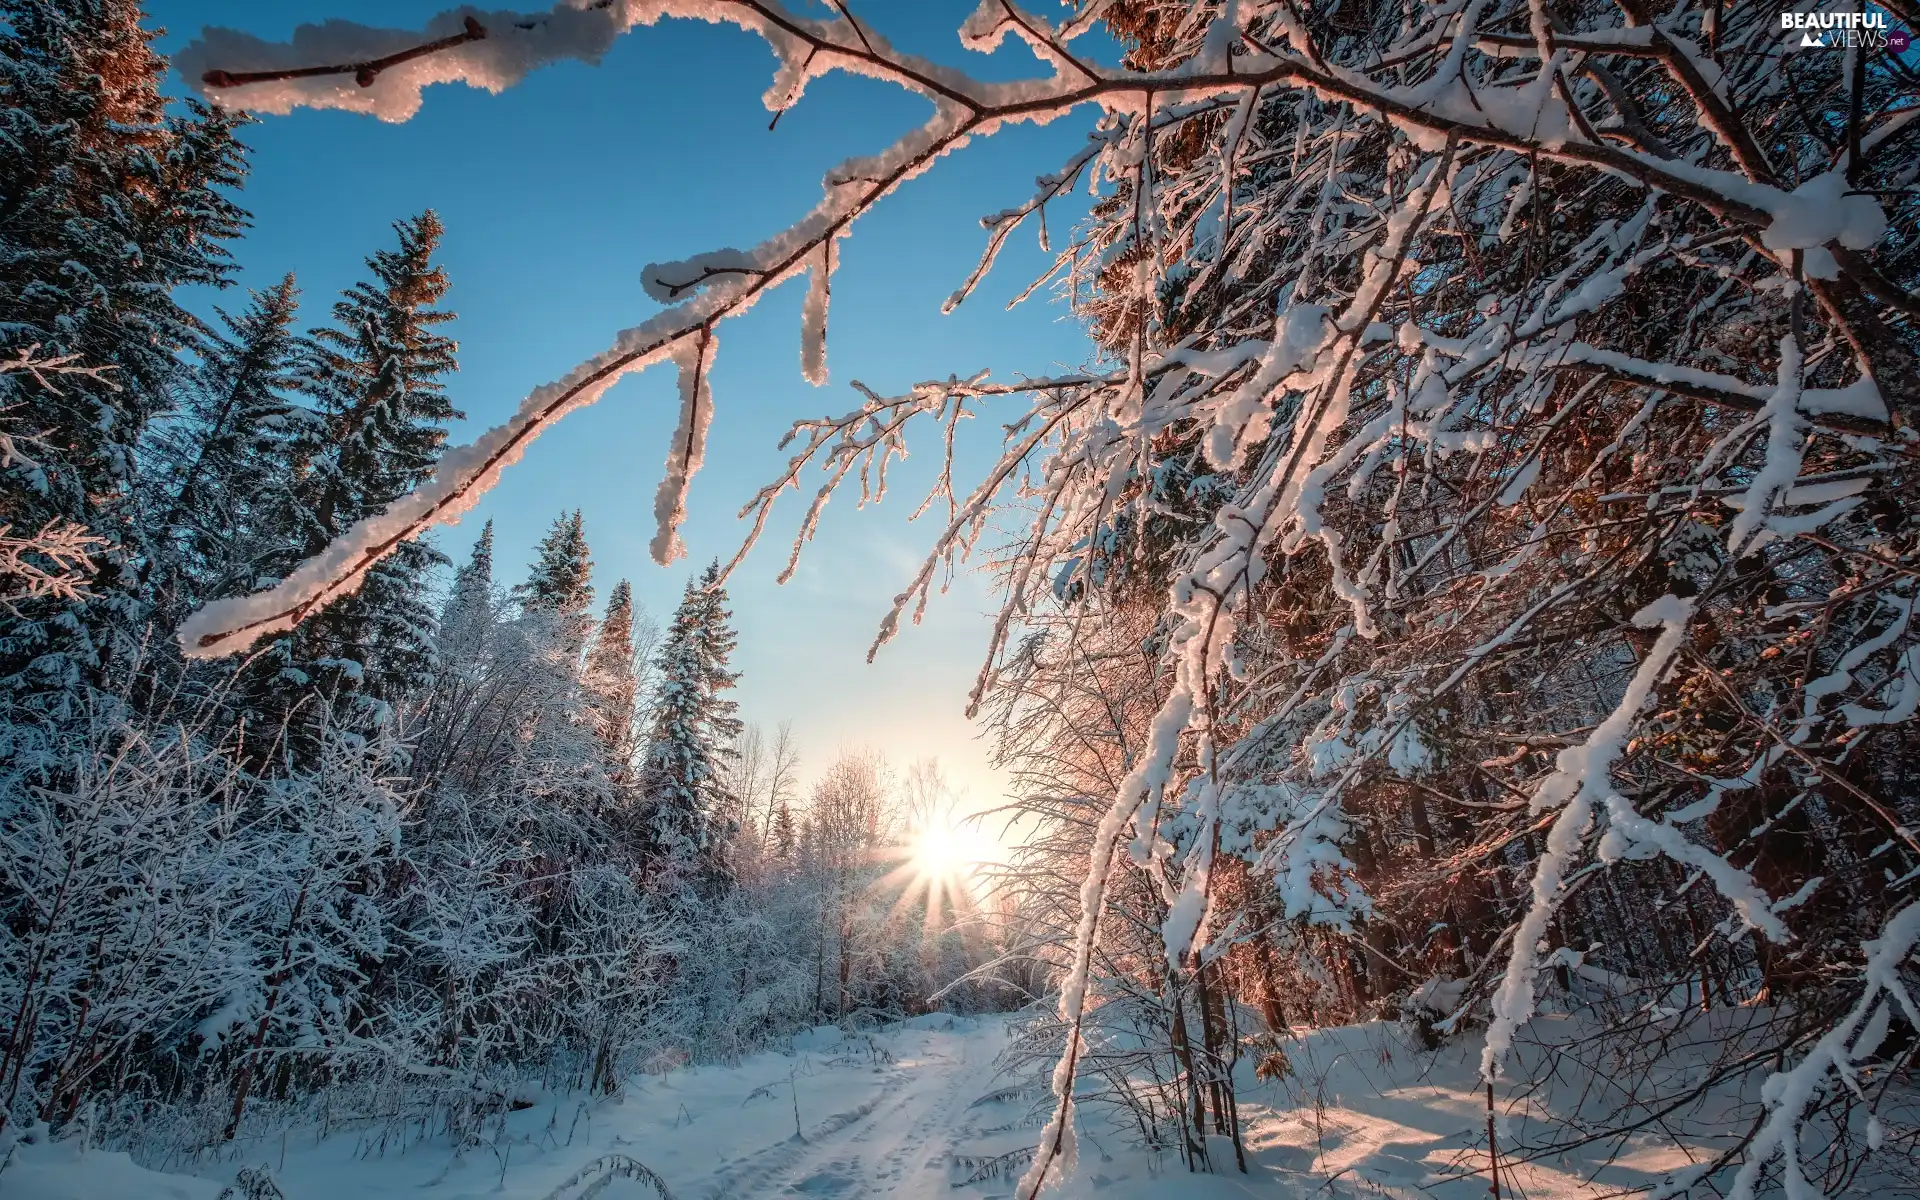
(1489, 519)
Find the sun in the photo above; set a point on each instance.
(942, 865)
(947, 852)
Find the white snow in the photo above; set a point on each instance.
(515, 45)
(1787, 1094)
(1901, 695)
(40, 1169)
(1861, 398)
(1364, 1113)
(813, 316)
(884, 1110)
(689, 445)
(1820, 211)
(1785, 446)
(1582, 780)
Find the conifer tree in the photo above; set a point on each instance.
(611, 681)
(693, 728)
(376, 373)
(376, 377)
(461, 721)
(472, 591)
(561, 582)
(782, 839)
(106, 206)
(468, 617)
(231, 460)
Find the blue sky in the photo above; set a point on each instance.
(555, 194)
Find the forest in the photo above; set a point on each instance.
(1453, 667)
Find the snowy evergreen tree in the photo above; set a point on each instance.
(473, 582)
(612, 683)
(561, 582)
(467, 650)
(692, 731)
(470, 609)
(376, 373)
(376, 377)
(106, 205)
(783, 842)
(227, 464)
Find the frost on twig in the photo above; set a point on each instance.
(51, 562)
(1437, 344)
(55, 560)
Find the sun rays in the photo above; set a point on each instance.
(941, 865)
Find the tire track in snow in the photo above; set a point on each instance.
(893, 1170)
(921, 1116)
(752, 1175)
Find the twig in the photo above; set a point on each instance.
(364, 73)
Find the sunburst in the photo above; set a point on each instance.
(942, 864)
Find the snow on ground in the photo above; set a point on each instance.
(881, 1113)
(918, 1109)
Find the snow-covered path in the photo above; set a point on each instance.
(899, 1142)
(916, 1111)
(894, 1113)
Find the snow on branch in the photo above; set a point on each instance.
(382, 72)
(689, 446)
(1421, 351)
(1581, 780)
(364, 72)
(308, 71)
(1833, 1058)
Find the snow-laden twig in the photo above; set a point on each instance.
(1831, 1060)
(1582, 779)
(1430, 115)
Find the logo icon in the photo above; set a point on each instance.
(1843, 31)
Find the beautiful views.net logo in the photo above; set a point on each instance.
(1845, 30)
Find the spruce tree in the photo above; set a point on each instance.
(782, 839)
(375, 376)
(451, 713)
(468, 617)
(611, 682)
(106, 206)
(472, 591)
(229, 463)
(560, 583)
(693, 729)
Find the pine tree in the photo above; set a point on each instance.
(561, 583)
(611, 682)
(693, 728)
(487, 685)
(106, 206)
(472, 591)
(375, 375)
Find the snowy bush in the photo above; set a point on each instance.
(1483, 546)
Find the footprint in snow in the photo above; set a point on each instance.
(835, 1180)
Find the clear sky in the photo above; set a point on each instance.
(555, 194)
